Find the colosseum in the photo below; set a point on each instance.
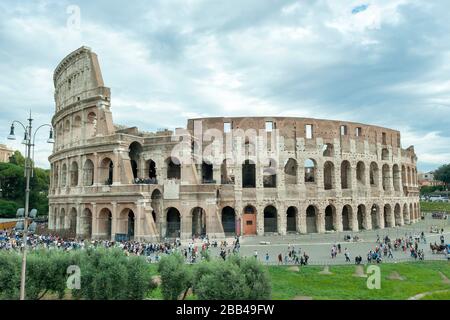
(219, 176)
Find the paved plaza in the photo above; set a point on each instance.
(318, 246)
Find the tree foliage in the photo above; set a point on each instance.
(443, 174)
(175, 276)
(234, 279)
(12, 184)
(106, 274)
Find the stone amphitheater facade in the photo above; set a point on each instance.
(218, 176)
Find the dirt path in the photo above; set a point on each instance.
(423, 294)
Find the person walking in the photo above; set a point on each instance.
(280, 259)
(347, 255)
(267, 258)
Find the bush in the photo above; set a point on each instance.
(8, 209)
(222, 281)
(234, 279)
(9, 275)
(106, 274)
(175, 276)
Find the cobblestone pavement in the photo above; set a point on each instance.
(318, 246)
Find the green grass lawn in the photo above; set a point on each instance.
(418, 277)
(434, 206)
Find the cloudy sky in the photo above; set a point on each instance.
(378, 62)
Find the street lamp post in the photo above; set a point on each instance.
(29, 141)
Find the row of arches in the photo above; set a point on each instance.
(75, 128)
(312, 220)
(334, 175)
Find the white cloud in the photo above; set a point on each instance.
(385, 65)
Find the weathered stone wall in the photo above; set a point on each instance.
(345, 176)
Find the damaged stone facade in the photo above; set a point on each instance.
(218, 176)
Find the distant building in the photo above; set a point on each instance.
(5, 153)
(426, 179)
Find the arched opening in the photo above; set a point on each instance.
(74, 174)
(270, 175)
(173, 223)
(224, 177)
(398, 215)
(396, 177)
(130, 229)
(126, 225)
(151, 165)
(88, 173)
(328, 175)
(156, 205)
(411, 213)
(134, 153)
(77, 128)
(346, 182)
(229, 221)
(310, 170)
(384, 154)
(64, 175)
(67, 138)
(173, 168)
(198, 222)
(346, 218)
(248, 174)
(270, 219)
(105, 224)
(328, 150)
(360, 174)
(290, 171)
(249, 220)
(311, 219)
(409, 176)
(374, 177)
(62, 218)
(330, 218)
(291, 219)
(207, 172)
(361, 216)
(107, 171)
(386, 178)
(86, 223)
(387, 212)
(374, 214)
(91, 125)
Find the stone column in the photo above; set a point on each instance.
(282, 219)
(367, 218)
(67, 218)
(186, 223)
(51, 218)
(116, 169)
(139, 220)
(79, 225)
(301, 220)
(381, 216)
(354, 223)
(338, 225)
(94, 221)
(97, 169)
(320, 220)
(114, 220)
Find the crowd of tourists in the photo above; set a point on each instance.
(196, 249)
